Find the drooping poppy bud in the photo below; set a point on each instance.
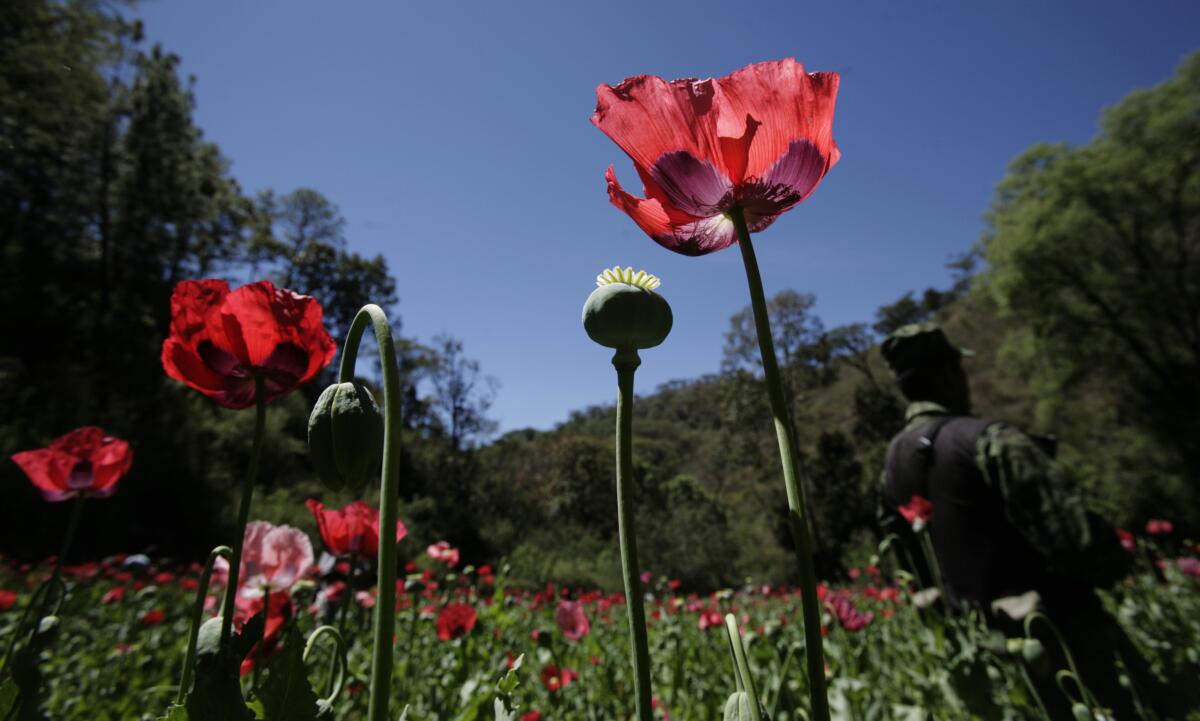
(737, 708)
(625, 313)
(345, 437)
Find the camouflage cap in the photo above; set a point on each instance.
(917, 344)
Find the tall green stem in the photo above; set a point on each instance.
(787, 455)
(235, 563)
(626, 362)
(68, 538)
(389, 490)
(189, 661)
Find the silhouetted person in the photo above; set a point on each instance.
(1006, 520)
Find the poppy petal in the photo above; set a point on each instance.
(789, 104)
(48, 470)
(692, 185)
(648, 117)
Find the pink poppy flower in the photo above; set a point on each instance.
(87, 461)
(444, 552)
(572, 620)
(273, 559)
(760, 139)
(1189, 566)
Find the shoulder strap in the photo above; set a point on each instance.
(929, 437)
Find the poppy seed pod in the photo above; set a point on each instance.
(625, 313)
(345, 437)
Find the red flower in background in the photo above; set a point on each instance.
(352, 530)
(918, 511)
(572, 620)
(760, 139)
(86, 461)
(220, 340)
(154, 617)
(532, 715)
(1127, 540)
(8, 599)
(1159, 527)
(279, 612)
(455, 620)
(554, 678)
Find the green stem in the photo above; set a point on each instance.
(626, 362)
(787, 455)
(235, 562)
(931, 560)
(189, 661)
(389, 490)
(68, 538)
(743, 666)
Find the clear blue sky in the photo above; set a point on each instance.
(454, 136)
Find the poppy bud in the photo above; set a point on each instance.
(345, 437)
(1081, 712)
(737, 708)
(1034, 654)
(625, 312)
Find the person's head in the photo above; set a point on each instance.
(927, 367)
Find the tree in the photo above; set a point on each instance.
(804, 359)
(461, 394)
(302, 240)
(1095, 252)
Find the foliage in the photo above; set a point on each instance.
(1094, 253)
(115, 660)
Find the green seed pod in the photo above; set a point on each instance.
(625, 312)
(345, 437)
(1081, 712)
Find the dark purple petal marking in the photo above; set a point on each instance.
(82, 476)
(694, 186)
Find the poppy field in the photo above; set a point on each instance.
(118, 646)
(320, 521)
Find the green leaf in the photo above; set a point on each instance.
(217, 693)
(286, 694)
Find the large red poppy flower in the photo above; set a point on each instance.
(220, 340)
(352, 530)
(87, 461)
(761, 139)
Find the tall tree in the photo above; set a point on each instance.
(1095, 251)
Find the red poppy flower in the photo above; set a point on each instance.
(86, 461)
(532, 715)
(1127, 540)
(154, 617)
(8, 599)
(220, 340)
(278, 613)
(554, 678)
(761, 139)
(455, 620)
(352, 530)
(918, 510)
(114, 595)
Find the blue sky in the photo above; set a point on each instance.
(455, 139)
